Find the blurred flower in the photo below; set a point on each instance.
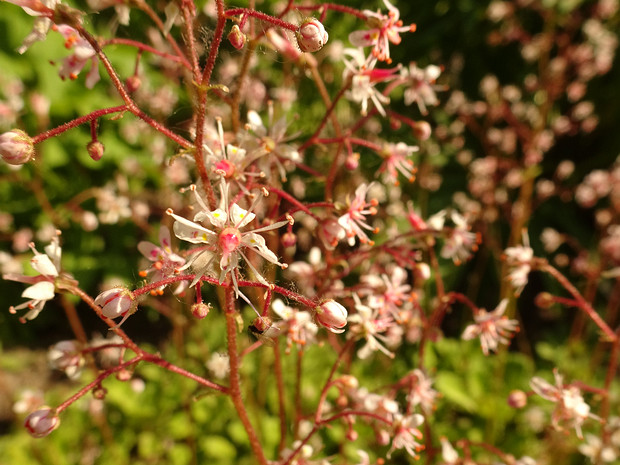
(570, 408)
(519, 259)
(383, 30)
(219, 365)
(366, 324)
(44, 285)
(43, 10)
(83, 52)
(165, 262)
(493, 328)
(396, 160)
(406, 434)
(66, 356)
(353, 222)
(297, 324)
(421, 86)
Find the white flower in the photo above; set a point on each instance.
(43, 286)
(224, 239)
(519, 259)
(367, 324)
(353, 222)
(493, 328)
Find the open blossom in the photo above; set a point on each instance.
(570, 408)
(66, 356)
(396, 160)
(83, 53)
(421, 86)
(519, 259)
(220, 230)
(42, 10)
(422, 392)
(367, 324)
(165, 262)
(353, 222)
(269, 141)
(392, 291)
(493, 328)
(43, 286)
(384, 29)
(364, 76)
(296, 324)
(406, 434)
(461, 242)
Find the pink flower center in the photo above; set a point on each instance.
(229, 240)
(226, 168)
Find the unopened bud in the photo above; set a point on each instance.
(16, 147)
(352, 161)
(201, 310)
(133, 83)
(95, 149)
(311, 35)
(331, 315)
(42, 422)
(517, 399)
(115, 302)
(422, 130)
(289, 239)
(99, 392)
(237, 38)
(544, 300)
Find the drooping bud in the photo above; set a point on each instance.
(289, 239)
(422, 130)
(95, 149)
(237, 38)
(66, 356)
(16, 147)
(331, 315)
(115, 302)
(311, 35)
(352, 161)
(42, 422)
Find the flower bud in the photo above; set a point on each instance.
(311, 35)
(517, 399)
(329, 232)
(115, 302)
(200, 310)
(16, 147)
(331, 315)
(352, 161)
(42, 422)
(66, 356)
(422, 130)
(289, 239)
(133, 83)
(95, 149)
(237, 38)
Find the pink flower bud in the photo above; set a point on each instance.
(289, 239)
(95, 149)
(133, 83)
(115, 302)
(331, 315)
(311, 35)
(352, 161)
(517, 399)
(16, 147)
(422, 130)
(237, 38)
(200, 310)
(42, 422)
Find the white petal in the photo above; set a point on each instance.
(218, 217)
(191, 232)
(257, 242)
(240, 217)
(43, 290)
(43, 264)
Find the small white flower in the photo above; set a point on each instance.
(493, 328)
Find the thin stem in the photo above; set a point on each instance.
(235, 383)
